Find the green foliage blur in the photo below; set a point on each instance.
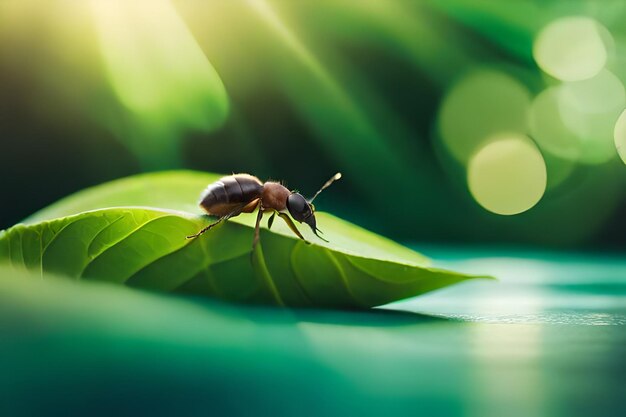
(403, 97)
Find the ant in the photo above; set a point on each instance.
(243, 193)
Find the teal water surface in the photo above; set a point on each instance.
(547, 338)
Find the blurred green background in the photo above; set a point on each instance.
(479, 132)
(453, 121)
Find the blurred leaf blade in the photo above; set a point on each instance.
(164, 83)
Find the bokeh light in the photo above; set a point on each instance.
(547, 127)
(508, 175)
(482, 104)
(589, 108)
(620, 136)
(572, 48)
(575, 120)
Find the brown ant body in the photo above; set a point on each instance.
(243, 193)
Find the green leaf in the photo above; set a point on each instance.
(146, 247)
(174, 190)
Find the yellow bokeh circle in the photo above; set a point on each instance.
(484, 102)
(572, 48)
(508, 175)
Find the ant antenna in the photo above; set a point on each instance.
(326, 185)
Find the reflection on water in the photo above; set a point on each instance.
(545, 339)
(532, 288)
(506, 369)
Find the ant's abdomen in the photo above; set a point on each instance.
(229, 193)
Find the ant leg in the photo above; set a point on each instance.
(270, 222)
(257, 228)
(292, 226)
(215, 223)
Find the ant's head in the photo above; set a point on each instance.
(302, 211)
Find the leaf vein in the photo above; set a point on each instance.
(206, 262)
(95, 236)
(342, 275)
(117, 242)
